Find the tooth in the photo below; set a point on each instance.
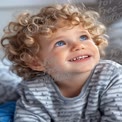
(80, 57)
(77, 58)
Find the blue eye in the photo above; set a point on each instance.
(60, 43)
(84, 37)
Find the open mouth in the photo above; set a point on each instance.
(78, 58)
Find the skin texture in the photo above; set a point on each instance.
(58, 58)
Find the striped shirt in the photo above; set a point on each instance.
(100, 99)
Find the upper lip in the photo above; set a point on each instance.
(79, 56)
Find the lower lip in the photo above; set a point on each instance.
(82, 60)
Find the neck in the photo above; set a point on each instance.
(72, 86)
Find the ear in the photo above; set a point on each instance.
(37, 66)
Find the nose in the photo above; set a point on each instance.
(77, 46)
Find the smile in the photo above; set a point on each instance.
(79, 58)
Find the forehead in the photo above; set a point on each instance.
(71, 28)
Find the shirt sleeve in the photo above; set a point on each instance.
(111, 99)
(28, 109)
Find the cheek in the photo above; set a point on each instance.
(51, 65)
(50, 62)
(97, 53)
(57, 56)
(94, 47)
(95, 50)
(53, 62)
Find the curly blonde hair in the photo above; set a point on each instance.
(24, 35)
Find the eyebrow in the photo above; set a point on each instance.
(83, 32)
(53, 40)
(59, 37)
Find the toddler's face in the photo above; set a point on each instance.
(69, 52)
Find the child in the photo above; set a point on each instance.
(57, 52)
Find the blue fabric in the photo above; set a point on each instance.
(7, 111)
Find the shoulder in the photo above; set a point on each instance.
(39, 81)
(106, 74)
(108, 65)
(108, 69)
(110, 62)
(36, 86)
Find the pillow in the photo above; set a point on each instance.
(8, 82)
(7, 111)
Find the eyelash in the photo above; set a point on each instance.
(60, 42)
(86, 37)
